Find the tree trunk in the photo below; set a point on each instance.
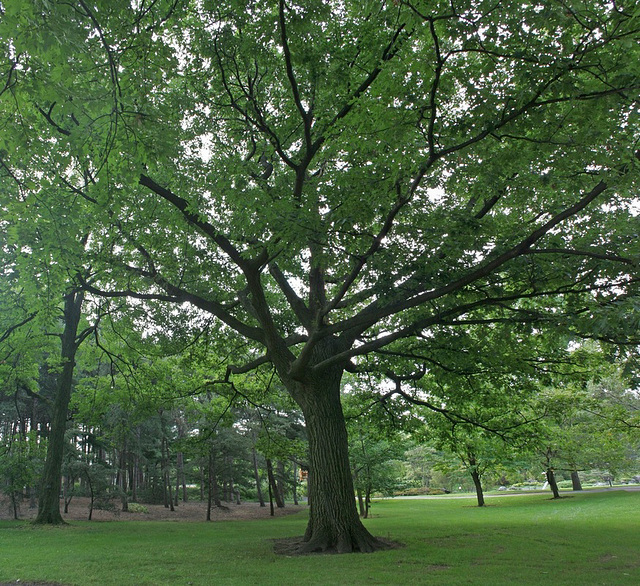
(367, 501)
(256, 475)
(472, 463)
(213, 478)
(551, 479)
(361, 507)
(166, 475)
(280, 478)
(49, 503)
(210, 484)
(275, 493)
(575, 480)
(294, 484)
(478, 484)
(122, 476)
(272, 511)
(183, 478)
(359, 497)
(333, 518)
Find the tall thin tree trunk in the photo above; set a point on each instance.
(167, 478)
(273, 486)
(210, 484)
(49, 502)
(122, 475)
(256, 475)
(272, 511)
(280, 481)
(359, 497)
(213, 476)
(294, 483)
(367, 500)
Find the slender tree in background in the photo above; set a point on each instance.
(44, 250)
(337, 182)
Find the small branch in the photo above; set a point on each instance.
(16, 326)
(306, 116)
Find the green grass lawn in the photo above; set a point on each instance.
(580, 540)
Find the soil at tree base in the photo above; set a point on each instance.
(291, 546)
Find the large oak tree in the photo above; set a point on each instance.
(335, 181)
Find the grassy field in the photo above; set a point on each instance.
(583, 539)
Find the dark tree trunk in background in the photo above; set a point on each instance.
(475, 475)
(280, 481)
(214, 493)
(294, 484)
(49, 502)
(478, 484)
(210, 484)
(166, 475)
(181, 480)
(551, 479)
(256, 475)
(575, 480)
(122, 475)
(273, 486)
(272, 511)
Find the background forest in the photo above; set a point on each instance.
(145, 428)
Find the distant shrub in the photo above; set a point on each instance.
(137, 508)
(421, 491)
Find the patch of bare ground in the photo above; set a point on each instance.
(185, 512)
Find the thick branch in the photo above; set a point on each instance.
(177, 295)
(376, 311)
(297, 304)
(205, 227)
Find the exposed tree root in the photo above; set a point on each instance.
(293, 546)
(49, 520)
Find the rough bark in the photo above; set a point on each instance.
(334, 523)
(49, 502)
